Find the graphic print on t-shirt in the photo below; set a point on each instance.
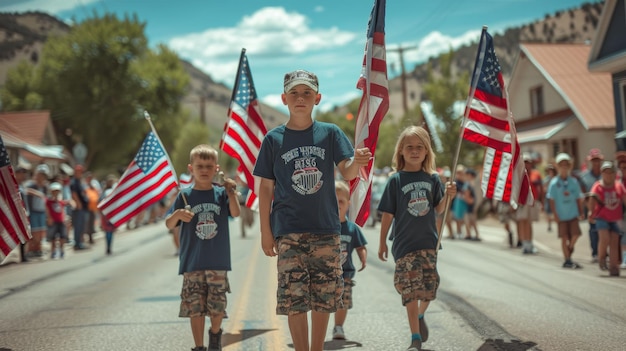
(306, 178)
(343, 256)
(611, 201)
(418, 204)
(206, 228)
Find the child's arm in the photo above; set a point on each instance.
(233, 198)
(581, 211)
(48, 216)
(385, 224)
(362, 253)
(179, 215)
(450, 192)
(349, 168)
(266, 193)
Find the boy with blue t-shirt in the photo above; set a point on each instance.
(298, 211)
(566, 201)
(202, 211)
(351, 239)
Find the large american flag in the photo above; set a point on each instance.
(244, 131)
(14, 225)
(148, 178)
(490, 123)
(373, 107)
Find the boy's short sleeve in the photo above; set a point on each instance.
(264, 166)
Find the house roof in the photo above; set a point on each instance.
(610, 28)
(29, 126)
(588, 94)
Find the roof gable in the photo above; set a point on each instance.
(589, 95)
(29, 126)
(608, 52)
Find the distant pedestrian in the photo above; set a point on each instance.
(566, 201)
(79, 213)
(411, 198)
(589, 178)
(528, 213)
(105, 223)
(469, 196)
(551, 172)
(55, 208)
(21, 174)
(37, 193)
(203, 213)
(459, 206)
(606, 205)
(351, 239)
(506, 215)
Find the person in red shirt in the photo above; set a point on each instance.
(606, 205)
(55, 209)
(526, 214)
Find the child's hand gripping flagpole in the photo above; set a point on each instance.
(455, 162)
(147, 116)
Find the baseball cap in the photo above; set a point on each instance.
(563, 157)
(301, 77)
(607, 165)
(447, 173)
(526, 157)
(43, 168)
(595, 154)
(55, 186)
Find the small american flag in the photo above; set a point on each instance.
(186, 180)
(372, 109)
(244, 131)
(14, 225)
(490, 123)
(148, 178)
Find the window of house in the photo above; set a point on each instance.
(536, 101)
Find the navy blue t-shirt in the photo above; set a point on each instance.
(412, 197)
(351, 238)
(205, 241)
(302, 165)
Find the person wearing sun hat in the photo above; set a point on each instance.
(606, 205)
(565, 198)
(588, 178)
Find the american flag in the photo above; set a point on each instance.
(373, 107)
(14, 225)
(186, 180)
(148, 178)
(490, 123)
(244, 131)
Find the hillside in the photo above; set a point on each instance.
(576, 25)
(22, 36)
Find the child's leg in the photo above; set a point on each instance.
(216, 323)
(603, 243)
(413, 312)
(197, 330)
(319, 324)
(299, 330)
(565, 247)
(614, 253)
(340, 316)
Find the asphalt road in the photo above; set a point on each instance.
(491, 298)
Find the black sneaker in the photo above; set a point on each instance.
(199, 348)
(215, 341)
(423, 330)
(568, 264)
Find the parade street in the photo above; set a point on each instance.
(491, 297)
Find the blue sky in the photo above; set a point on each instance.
(325, 37)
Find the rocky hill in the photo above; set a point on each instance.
(22, 36)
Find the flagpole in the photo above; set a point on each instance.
(476, 75)
(232, 98)
(156, 135)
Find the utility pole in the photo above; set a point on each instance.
(400, 50)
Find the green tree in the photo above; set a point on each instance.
(443, 89)
(18, 94)
(191, 134)
(98, 79)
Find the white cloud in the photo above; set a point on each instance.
(271, 32)
(49, 6)
(432, 45)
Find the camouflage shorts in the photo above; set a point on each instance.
(346, 297)
(309, 274)
(204, 294)
(416, 276)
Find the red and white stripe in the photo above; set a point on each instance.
(372, 109)
(14, 225)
